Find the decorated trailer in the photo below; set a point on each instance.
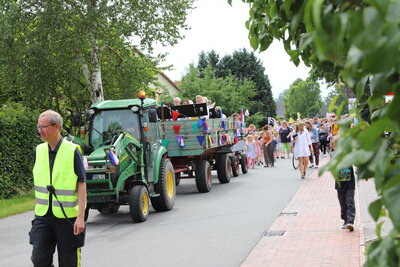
(196, 146)
(133, 156)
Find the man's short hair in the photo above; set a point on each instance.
(54, 117)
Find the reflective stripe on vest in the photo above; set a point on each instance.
(63, 179)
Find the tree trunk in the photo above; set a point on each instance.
(96, 86)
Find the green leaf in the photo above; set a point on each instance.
(316, 13)
(368, 137)
(375, 209)
(356, 158)
(391, 199)
(254, 42)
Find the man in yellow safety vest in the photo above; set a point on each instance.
(60, 191)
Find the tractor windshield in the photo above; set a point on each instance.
(108, 123)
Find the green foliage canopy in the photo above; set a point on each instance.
(18, 138)
(355, 44)
(229, 93)
(60, 54)
(243, 64)
(303, 97)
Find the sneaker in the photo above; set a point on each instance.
(266, 166)
(282, 157)
(302, 177)
(316, 167)
(344, 226)
(350, 226)
(311, 166)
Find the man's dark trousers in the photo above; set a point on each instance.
(347, 206)
(47, 232)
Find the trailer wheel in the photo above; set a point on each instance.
(165, 187)
(224, 168)
(177, 178)
(203, 176)
(139, 203)
(235, 165)
(243, 163)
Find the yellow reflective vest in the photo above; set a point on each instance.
(63, 178)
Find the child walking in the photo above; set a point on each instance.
(251, 152)
(259, 149)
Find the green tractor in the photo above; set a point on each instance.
(126, 162)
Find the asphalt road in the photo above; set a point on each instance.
(218, 228)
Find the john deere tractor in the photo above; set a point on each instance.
(126, 163)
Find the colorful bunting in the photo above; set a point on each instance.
(210, 140)
(175, 115)
(201, 122)
(164, 142)
(223, 125)
(195, 127)
(177, 128)
(205, 127)
(179, 138)
(200, 138)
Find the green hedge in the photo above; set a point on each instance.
(18, 138)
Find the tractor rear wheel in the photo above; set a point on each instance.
(235, 165)
(165, 187)
(139, 203)
(203, 176)
(243, 163)
(224, 168)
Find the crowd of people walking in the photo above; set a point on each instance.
(303, 139)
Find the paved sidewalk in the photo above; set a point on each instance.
(312, 234)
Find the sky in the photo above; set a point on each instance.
(214, 24)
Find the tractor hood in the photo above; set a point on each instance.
(98, 154)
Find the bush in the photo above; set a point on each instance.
(18, 138)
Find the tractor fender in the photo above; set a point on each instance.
(160, 154)
(127, 173)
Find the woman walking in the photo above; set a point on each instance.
(323, 138)
(284, 136)
(302, 148)
(313, 131)
(268, 148)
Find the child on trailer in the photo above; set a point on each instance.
(251, 151)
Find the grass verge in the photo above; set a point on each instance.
(20, 204)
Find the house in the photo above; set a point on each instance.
(164, 85)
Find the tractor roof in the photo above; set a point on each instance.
(125, 103)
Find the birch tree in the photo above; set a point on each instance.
(66, 45)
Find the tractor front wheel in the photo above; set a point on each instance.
(165, 187)
(139, 203)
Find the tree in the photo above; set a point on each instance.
(354, 44)
(303, 97)
(245, 65)
(62, 47)
(228, 92)
(341, 100)
(205, 59)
